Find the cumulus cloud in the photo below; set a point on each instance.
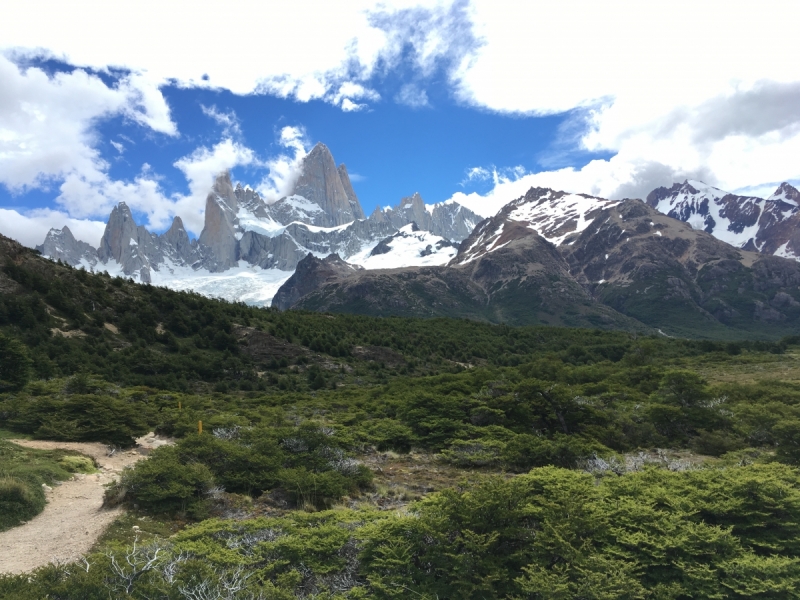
(285, 168)
(47, 122)
(661, 87)
(200, 168)
(30, 228)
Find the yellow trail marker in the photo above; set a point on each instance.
(199, 427)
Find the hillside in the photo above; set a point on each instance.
(339, 452)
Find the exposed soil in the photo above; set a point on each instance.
(74, 518)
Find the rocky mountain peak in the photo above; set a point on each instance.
(120, 230)
(321, 185)
(411, 209)
(60, 244)
(217, 241)
(224, 188)
(786, 193)
(311, 273)
(355, 205)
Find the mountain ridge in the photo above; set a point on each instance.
(248, 246)
(621, 261)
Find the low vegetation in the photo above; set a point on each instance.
(335, 456)
(23, 474)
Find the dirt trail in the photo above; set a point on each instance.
(73, 519)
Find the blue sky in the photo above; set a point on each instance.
(469, 100)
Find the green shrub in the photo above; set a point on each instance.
(474, 453)
(164, 484)
(390, 434)
(319, 490)
(19, 501)
(526, 451)
(15, 364)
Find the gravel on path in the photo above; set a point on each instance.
(74, 517)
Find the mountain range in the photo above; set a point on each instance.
(690, 258)
(576, 260)
(248, 247)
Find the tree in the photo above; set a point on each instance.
(15, 364)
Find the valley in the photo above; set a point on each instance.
(546, 403)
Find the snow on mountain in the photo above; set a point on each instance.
(409, 247)
(248, 248)
(556, 216)
(770, 226)
(243, 283)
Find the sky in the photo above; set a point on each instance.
(473, 101)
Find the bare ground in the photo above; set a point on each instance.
(74, 518)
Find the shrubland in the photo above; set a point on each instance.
(352, 457)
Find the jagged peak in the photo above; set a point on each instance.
(786, 192)
(222, 181)
(411, 201)
(122, 207)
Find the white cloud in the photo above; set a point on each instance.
(285, 168)
(118, 146)
(350, 106)
(228, 120)
(46, 123)
(413, 96)
(200, 168)
(707, 89)
(31, 227)
(343, 44)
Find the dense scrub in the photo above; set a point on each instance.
(290, 422)
(554, 533)
(70, 320)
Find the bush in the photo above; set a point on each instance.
(163, 484)
(238, 468)
(15, 364)
(19, 501)
(474, 453)
(527, 451)
(389, 434)
(319, 490)
(89, 418)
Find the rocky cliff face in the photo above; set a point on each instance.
(217, 241)
(451, 221)
(320, 197)
(355, 205)
(769, 226)
(60, 244)
(312, 273)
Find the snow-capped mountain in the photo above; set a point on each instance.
(767, 225)
(249, 247)
(559, 217)
(410, 246)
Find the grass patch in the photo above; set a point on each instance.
(135, 523)
(78, 464)
(22, 473)
(7, 434)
